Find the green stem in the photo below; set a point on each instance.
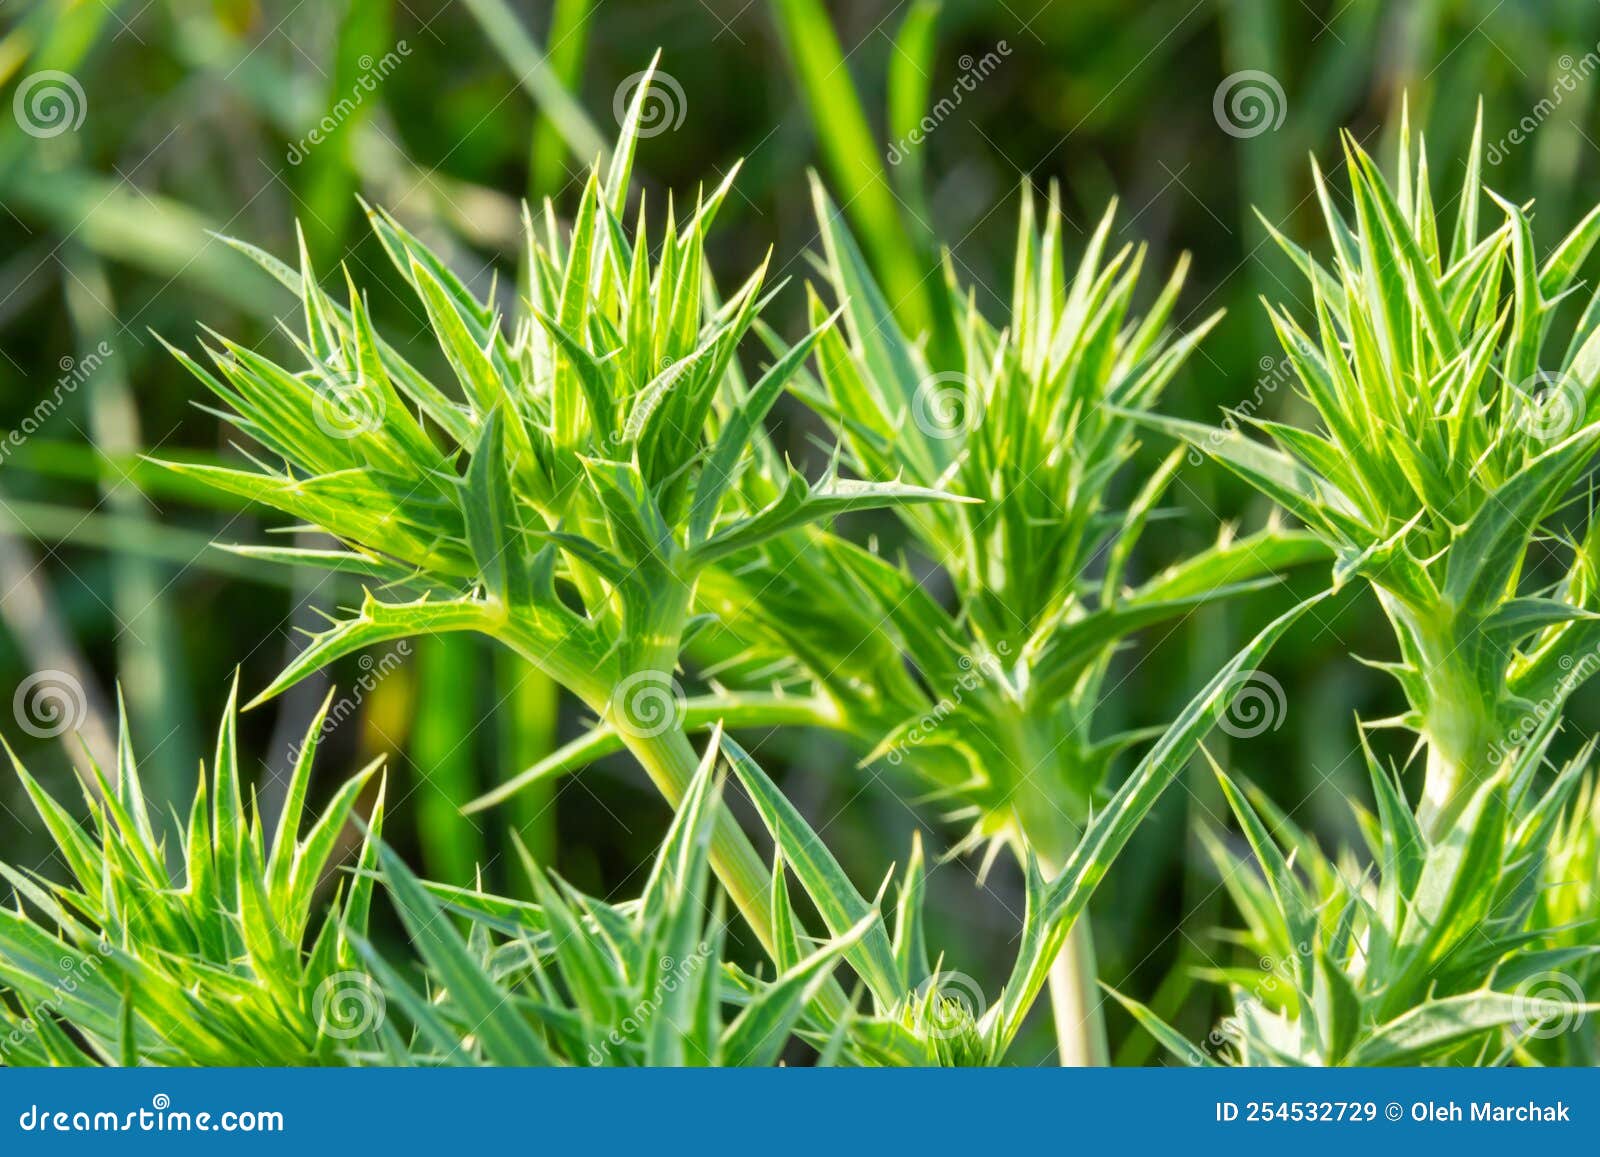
(1046, 827)
(1075, 1002)
(1459, 720)
(731, 709)
(1075, 997)
(1458, 761)
(670, 761)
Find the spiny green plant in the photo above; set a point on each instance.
(1026, 423)
(211, 963)
(1446, 454)
(568, 500)
(919, 1031)
(990, 700)
(224, 950)
(1451, 436)
(1438, 952)
(576, 980)
(1568, 905)
(581, 968)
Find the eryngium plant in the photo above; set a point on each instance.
(991, 698)
(1451, 436)
(577, 980)
(574, 980)
(228, 951)
(919, 1030)
(566, 497)
(134, 963)
(1436, 952)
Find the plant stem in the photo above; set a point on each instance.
(1456, 706)
(1075, 996)
(670, 761)
(1075, 1002)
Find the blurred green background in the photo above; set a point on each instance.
(187, 116)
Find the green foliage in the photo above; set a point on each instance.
(567, 495)
(990, 699)
(203, 949)
(920, 1030)
(1001, 714)
(1415, 952)
(135, 962)
(575, 980)
(589, 481)
(1451, 436)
